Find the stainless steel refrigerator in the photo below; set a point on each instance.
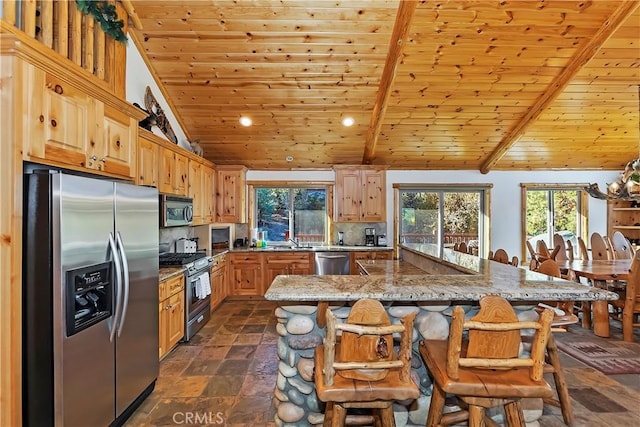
(90, 299)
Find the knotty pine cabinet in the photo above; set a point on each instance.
(366, 255)
(173, 178)
(245, 274)
(231, 190)
(201, 190)
(360, 194)
(624, 216)
(219, 289)
(286, 263)
(66, 126)
(171, 314)
(148, 159)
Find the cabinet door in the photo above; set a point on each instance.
(147, 163)
(373, 208)
(218, 293)
(208, 195)
(230, 196)
(163, 341)
(246, 275)
(383, 255)
(348, 195)
(116, 153)
(181, 165)
(357, 256)
(176, 318)
(59, 123)
(166, 171)
(195, 191)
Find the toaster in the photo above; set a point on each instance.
(185, 245)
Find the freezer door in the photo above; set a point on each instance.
(83, 363)
(137, 366)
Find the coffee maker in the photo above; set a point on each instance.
(370, 236)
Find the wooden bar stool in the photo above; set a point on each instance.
(487, 371)
(362, 371)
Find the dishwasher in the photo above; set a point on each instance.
(331, 263)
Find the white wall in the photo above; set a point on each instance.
(138, 78)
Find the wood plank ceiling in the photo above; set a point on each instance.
(484, 85)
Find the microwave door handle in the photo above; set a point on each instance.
(118, 283)
(125, 298)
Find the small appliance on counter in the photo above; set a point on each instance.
(369, 236)
(186, 245)
(340, 238)
(381, 240)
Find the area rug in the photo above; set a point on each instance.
(610, 356)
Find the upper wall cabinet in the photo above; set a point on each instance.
(201, 190)
(360, 194)
(148, 159)
(64, 124)
(173, 172)
(231, 193)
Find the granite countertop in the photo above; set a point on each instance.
(482, 277)
(166, 273)
(375, 267)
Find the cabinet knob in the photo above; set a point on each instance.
(94, 158)
(103, 159)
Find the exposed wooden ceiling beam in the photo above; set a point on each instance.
(398, 39)
(561, 81)
(135, 19)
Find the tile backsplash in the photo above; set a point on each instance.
(354, 232)
(171, 234)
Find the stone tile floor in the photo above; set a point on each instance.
(226, 375)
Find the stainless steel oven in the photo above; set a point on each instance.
(175, 211)
(197, 305)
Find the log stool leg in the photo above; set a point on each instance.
(513, 414)
(436, 407)
(338, 415)
(561, 384)
(476, 416)
(386, 417)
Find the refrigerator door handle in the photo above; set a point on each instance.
(118, 280)
(125, 298)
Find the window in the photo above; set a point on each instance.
(550, 209)
(296, 212)
(443, 215)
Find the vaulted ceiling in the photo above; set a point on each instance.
(483, 85)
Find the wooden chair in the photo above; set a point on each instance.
(533, 262)
(487, 370)
(462, 247)
(502, 257)
(621, 246)
(562, 254)
(543, 253)
(362, 370)
(562, 318)
(570, 250)
(626, 309)
(584, 254)
(599, 248)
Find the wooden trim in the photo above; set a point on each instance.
(46, 23)
(557, 86)
(360, 167)
(554, 186)
(28, 18)
(440, 186)
(61, 36)
(131, 11)
(289, 183)
(398, 40)
(9, 12)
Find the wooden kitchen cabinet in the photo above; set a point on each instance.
(173, 173)
(366, 255)
(171, 314)
(360, 194)
(245, 274)
(115, 153)
(148, 159)
(218, 281)
(286, 263)
(201, 190)
(60, 124)
(231, 194)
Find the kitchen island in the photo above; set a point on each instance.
(431, 296)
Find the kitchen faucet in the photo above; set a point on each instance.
(296, 242)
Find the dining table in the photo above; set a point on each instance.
(599, 272)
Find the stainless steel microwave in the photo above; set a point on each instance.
(175, 211)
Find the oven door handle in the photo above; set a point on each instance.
(125, 267)
(118, 282)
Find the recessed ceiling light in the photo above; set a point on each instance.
(348, 121)
(289, 158)
(245, 121)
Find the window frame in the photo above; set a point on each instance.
(484, 222)
(583, 210)
(329, 188)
